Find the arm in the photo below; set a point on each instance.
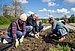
(53, 25)
(24, 32)
(24, 29)
(14, 30)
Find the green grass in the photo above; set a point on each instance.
(4, 26)
(60, 48)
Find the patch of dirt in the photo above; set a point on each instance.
(44, 43)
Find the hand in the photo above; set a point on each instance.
(31, 34)
(62, 39)
(37, 35)
(21, 39)
(16, 43)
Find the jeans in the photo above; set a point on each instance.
(29, 29)
(35, 29)
(61, 32)
(40, 28)
(19, 33)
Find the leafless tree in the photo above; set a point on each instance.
(1, 9)
(14, 9)
(17, 7)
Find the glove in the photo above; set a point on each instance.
(16, 43)
(21, 39)
(37, 35)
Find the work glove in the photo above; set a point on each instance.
(21, 39)
(31, 34)
(16, 43)
(37, 35)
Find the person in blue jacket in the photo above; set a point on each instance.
(58, 28)
(32, 21)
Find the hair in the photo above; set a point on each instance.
(51, 19)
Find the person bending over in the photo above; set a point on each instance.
(58, 28)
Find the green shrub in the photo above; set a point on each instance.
(6, 20)
(43, 20)
(60, 48)
(72, 18)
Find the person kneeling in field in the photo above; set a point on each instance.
(32, 21)
(17, 29)
(58, 28)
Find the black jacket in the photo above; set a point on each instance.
(31, 22)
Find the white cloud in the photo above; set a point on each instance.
(47, 0)
(43, 10)
(50, 15)
(40, 10)
(52, 11)
(30, 12)
(63, 11)
(70, 1)
(51, 4)
(22, 1)
(49, 10)
(68, 16)
(46, 10)
(73, 9)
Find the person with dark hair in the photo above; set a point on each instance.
(58, 28)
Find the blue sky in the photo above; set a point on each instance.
(56, 8)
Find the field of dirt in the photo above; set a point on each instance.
(43, 43)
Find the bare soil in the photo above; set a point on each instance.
(44, 43)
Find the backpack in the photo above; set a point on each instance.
(62, 31)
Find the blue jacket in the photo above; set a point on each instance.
(59, 28)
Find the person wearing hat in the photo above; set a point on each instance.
(32, 21)
(17, 29)
(58, 28)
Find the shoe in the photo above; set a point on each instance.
(5, 41)
(62, 39)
